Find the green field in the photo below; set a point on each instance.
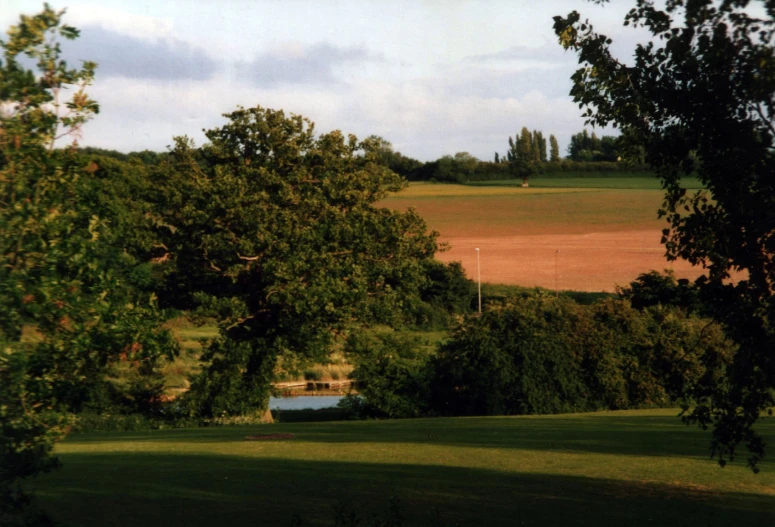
(646, 183)
(613, 468)
(482, 211)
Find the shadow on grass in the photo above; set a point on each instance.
(604, 434)
(208, 490)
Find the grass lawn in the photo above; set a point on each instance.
(613, 468)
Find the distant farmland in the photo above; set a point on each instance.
(605, 236)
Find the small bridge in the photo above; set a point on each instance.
(314, 386)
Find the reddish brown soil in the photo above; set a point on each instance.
(605, 238)
(585, 262)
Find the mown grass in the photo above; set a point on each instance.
(610, 468)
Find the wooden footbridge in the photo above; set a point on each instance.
(299, 387)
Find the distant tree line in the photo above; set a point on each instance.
(586, 147)
(146, 157)
(528, 155)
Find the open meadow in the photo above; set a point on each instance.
(608, 468)
(606, 230)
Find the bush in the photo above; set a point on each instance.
(393, 374)
(517, 358)
(310, 416)
(539, 354)
(313, 375)
(356, 407)
(110, 422)
(653, 288)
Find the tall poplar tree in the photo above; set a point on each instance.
(525, 145)
(554, 149)
(541, 146)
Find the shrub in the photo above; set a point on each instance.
(393, 374)
(518, 358)
(355, 407)
(540, 354)
(313, 375)
(653, 288)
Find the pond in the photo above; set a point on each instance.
(304, 402)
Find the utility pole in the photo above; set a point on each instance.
(479, 279)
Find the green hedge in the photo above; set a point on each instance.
(533, 353)
(540, 354)
(488, 171)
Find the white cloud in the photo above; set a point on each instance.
(431, 77)
(148, 28)
(295, 63)
(422, 118)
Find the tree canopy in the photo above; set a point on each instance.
(699, 98)
(275, 231)
(62, 260)
(586, 147)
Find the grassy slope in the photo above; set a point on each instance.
(624, 468)
(179, 372)
(469, 211)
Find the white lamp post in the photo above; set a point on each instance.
(479, 279)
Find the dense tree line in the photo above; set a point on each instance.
(527, 156)
(586, 147)
(448, 170)
(146, 157)
(536, 354)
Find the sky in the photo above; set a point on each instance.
(432, 77)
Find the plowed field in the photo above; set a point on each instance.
(605, 237)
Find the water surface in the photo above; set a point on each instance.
(304, 402)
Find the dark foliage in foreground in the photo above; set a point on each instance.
(698, 97)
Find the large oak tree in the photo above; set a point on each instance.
(275, 231)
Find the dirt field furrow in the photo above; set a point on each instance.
(605, 237)
(585, 262)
